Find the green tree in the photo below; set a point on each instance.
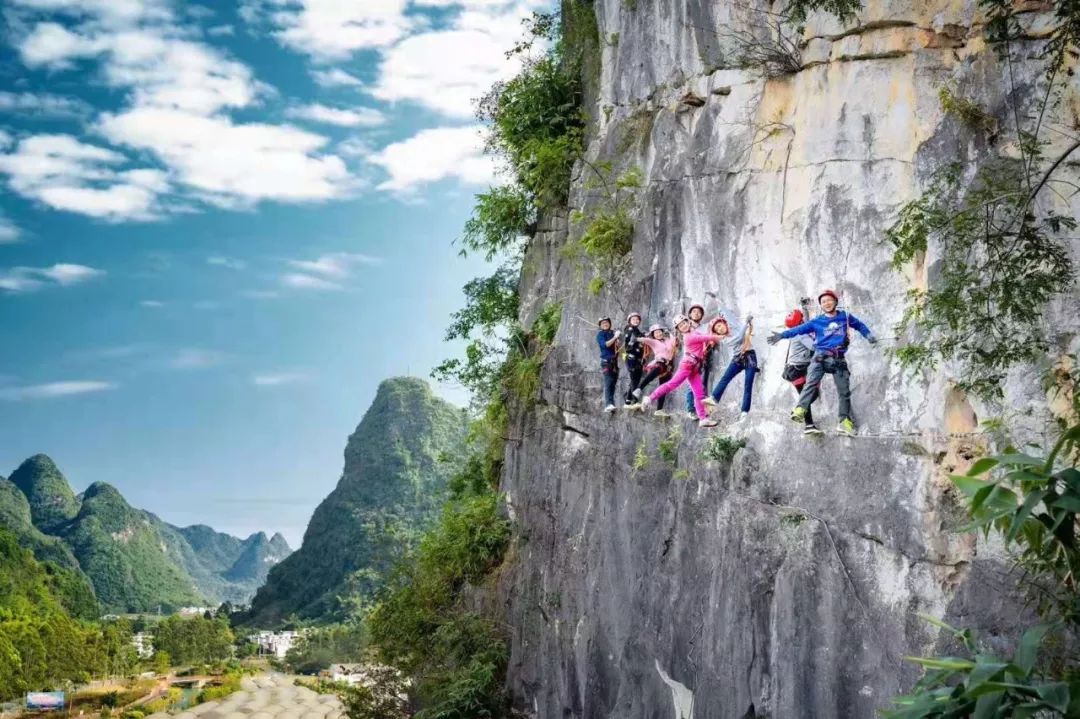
(1033, 503)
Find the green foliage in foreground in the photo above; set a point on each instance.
(382, 696)
(1033, 502)
(457, 658)
(41, 645)
(1000, 265)
(986, 686)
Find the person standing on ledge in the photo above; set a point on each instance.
(830, 330)
(663, 352)
(696, 313)
(696, 346)
(739, 341)
(609, 361)
(797, 365)
(633, 351)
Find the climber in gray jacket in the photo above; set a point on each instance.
(800, 354)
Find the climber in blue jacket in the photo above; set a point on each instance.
(830, 330)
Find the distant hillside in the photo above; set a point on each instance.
(52, 501)
(40, 643)
(393, 484)
(132, 559)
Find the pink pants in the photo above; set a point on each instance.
(689, 373)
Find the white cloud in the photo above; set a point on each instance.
(343, 117)
(193, 358)
(53, 45)
(9, 231)
(161, 70)
(113, 11)
(276, 379)
(70, 175)
(299, 281)
(335, 77)
(227, 262)
(336, 264)
(54, 389)
(46, 105)
(68, 274)
(436, 154)
(152, 304)
(447, 69)
(233, 164)
(331, 29)
(221, 30)
(27, 279)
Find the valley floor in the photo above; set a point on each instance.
(266, 696)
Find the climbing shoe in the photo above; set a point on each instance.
(709, 401)
(661, 413)
(609, 408)
(798, 414)
(710, 422)
(692, 415)
(637, 393)
(811, 429)
(847, 427)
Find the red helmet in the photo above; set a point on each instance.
(794, 318)
(830, 293)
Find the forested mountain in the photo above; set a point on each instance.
(393, 484)
(40, 642)
(133, 560)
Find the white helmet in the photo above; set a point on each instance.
(656, 327)
(631, 316)
(679, 319)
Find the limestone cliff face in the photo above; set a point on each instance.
(786, 583)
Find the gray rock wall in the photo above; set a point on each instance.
(785, 583)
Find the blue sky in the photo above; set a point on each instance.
(221, 225)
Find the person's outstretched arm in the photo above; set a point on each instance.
(861, 328)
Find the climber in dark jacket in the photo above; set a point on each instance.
(830, 330)
(609, 361)
(633, 350)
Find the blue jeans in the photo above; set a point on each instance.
(745, 363)
(611, 379)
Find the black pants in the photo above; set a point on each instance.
(661, 371)
(635, 370)
(797, 377)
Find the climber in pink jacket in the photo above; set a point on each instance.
(662, 364)
(696, 346)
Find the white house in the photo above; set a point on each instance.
(276, 643)
(348, 673)
(144, 644)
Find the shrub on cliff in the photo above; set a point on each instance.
(1033, 503)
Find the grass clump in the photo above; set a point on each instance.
(722, 448)
(641, 457)
(668, 448)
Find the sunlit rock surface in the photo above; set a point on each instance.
(784, 584)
